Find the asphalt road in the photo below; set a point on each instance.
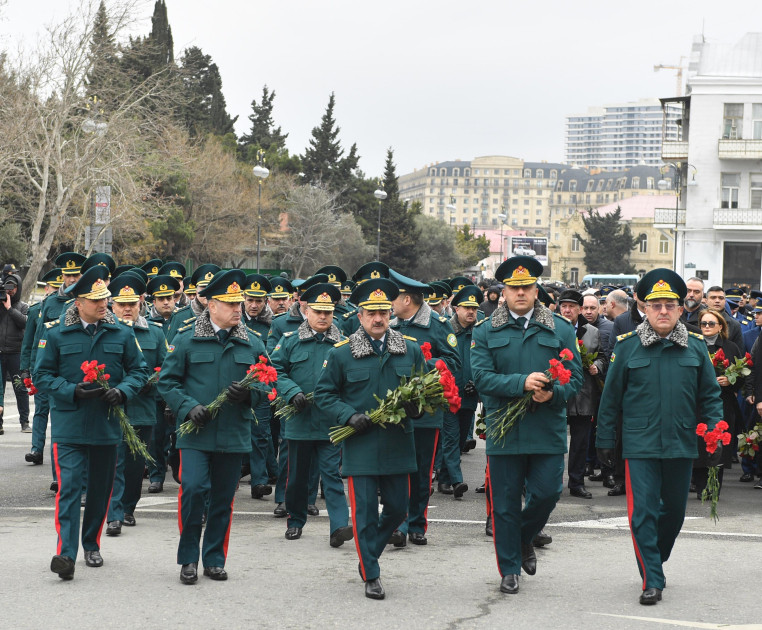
(587, 578)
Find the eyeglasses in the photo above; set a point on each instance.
(708, 324)
(660, 307)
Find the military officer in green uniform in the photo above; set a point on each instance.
(346, 292)
(53, 281)
(177, 271)
(369, 271)
(293, 318)
(141, 410)
(509, 355)
(152, 267)
(161, 290)
(257, 315)
(212, 355)
(186, 315)
(85, 432)
(438, 295)
(662, 383)
(371, 361)
(281, 297)
(99, 258)
(413, 317)
(298, 358)
(337, 277)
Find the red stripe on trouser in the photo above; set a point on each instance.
(431, 472)
(58, 496)
(353, 506)
(105, 515)
(180, 495)
(492, 514)
(630, 508)
(227, 533)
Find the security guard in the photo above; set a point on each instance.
(457, 426)
(509, 355)
(212, 355)
(662, 382)
(413, 317)
(53, 281)
(369, 271)
(85, 432)
(298, 358)
(376, 460)
(141, 410)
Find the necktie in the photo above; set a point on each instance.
(522, 322)
(222, 335)
(378, 346)
(319, 337)
(91, 328)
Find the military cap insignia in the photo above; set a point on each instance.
(209, 276)
(191, 286)
(471, 301)
(375, 274)
(234, 288)
(520, 272)
(98, 285)
(175, 273)
(661, 286)
(255, 286)
(452, 340)
(378, 295)
(278, 289)
(323, 297)
(70, 264)
(331, 277)
(126, 291)
(59, 278)
(163, 287)
(155, 269)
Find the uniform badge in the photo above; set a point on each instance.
(452, 340)
(276, 348)
(613, 356)
(170, 348)
(473, 343)
(42, 343)
(325, 362)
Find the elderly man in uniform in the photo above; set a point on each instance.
(662, 382)
(281, 296)
(213, 354)
(85, 432)
(371, 361)
(510, 354)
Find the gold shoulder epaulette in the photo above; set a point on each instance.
(189, 320)
(159, 324)
(126, 322)
(184, 328)
(288, 334)
(696, 335)
(409, 338)
(350, 313)
(53, 323)
(443, 319)
(480, 322)
(625, 335)
(254, 332)
(341, 343)
(277, 315)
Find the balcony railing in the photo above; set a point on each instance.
(737, 218)
(739, 149)
(665, 217)
(672, 150)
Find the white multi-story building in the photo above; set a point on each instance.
(619, 136)
(718, 214)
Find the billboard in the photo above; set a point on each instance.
(536, 246)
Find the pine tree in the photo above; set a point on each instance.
(323, 159)
(146, 56)
(399, 235)
(607, 250)
(161, 35)
(203, 110)
(103, 53)
(264, 134)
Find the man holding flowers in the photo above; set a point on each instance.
(510, 356)
(662, 382)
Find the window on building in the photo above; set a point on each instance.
(527, 172)
(636, 182)
(573, 185)
(526, 221)
(554, 174)
(756, 121)
(755, 192)
(456, 173)
(476, 171)
(650, 183)
(465, 200)
(486, 171)
(538, 202)
(526, 202)
(575, 244)
(732, 121)
(466, 172)
(587, 199)
(590, 184)
(731, 182)
(643, 244)
(476, 181)
(538, 221)
(574, 275)
(515, 201)
(663, 244)
(526, 211)
(558, 236)
(526, 183)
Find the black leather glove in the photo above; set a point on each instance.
(238, 394)
(300, 402)
(606, 457)
(360, 423)
(145, 389)
(411, 410)
(199, 416)
(24, 374)
(114, 396)
(716, 457)
(88, 391)
(469, 389)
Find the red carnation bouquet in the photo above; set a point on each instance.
(27, 383)
(426, 349)
(154, 378)
(723, 366)
(506, 418)
(712, 438)
(260, 372)
(748, 443)
(95, 373)
(430, 391)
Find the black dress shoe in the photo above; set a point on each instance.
(417, 538)
(93, 558)
(609, 481)
(35, 457)
(189, 573)
(481, 489)
(54, 486)
(129, 520)
(488, 526)
(745, 478)
(313, 510)
(595, 477)
(444, 488)
(293, 533)
(528, 559)
(469, 445)
(542, 539)
(155, 487)
(374, 589)
(216, 573)
(259, 490)
(580, 492)
(650, 596)
(459, 489)
(510, 584)
(64, 566)
(114, 528)
(280, 511)
(617, 491)
(397, 539)
(341, 535)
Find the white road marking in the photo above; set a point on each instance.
(688, 624)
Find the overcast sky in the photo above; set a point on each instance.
(435, 80)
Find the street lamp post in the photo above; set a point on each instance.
(379, 194)
(662, 185)
(502, 218)
(261, 173)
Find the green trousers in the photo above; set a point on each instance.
(420, 481)
(657, 494)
